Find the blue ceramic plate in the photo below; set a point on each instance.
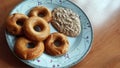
(79, 46)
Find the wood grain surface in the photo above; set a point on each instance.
(105, 19)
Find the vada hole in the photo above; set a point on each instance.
(30, 45)
(38, 28)
(42, 14)
(20, 22)
(57, 42)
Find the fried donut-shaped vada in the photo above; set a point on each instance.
(39, 34)
(27, 50)
(42, 12)
(56, 44)
(15, 23)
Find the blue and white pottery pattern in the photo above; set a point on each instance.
(79, 46)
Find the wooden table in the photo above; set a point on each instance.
(105, 19)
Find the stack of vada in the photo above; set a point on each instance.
(33, 34)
